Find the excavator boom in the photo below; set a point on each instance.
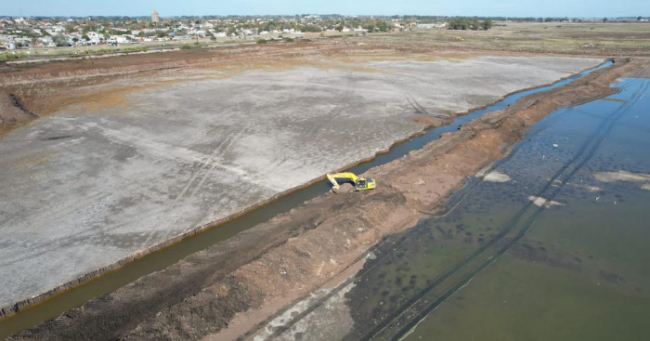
(359, 183)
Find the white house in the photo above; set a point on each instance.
(95, 37)
(45, 40)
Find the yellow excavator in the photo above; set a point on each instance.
(360, 184)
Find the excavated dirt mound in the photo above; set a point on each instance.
(12, 109)
(343, 188)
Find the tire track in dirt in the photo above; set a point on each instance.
(203, 172)
(214, 160)
(207, 162)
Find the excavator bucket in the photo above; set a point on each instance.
(335, 184)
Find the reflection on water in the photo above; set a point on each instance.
(540, 248)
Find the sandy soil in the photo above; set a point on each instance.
(298, 252)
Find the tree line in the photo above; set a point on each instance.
(469, 24)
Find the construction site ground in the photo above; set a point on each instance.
(127, 156)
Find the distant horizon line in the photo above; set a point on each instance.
(330, 14)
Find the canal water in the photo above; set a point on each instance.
(161, 259)
(550, 243)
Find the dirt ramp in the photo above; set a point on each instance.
(12, 109)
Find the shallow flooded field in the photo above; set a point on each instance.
(549, 243)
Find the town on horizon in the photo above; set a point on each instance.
(39, 31)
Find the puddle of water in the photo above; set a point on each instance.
(501, 265)
(159, 260)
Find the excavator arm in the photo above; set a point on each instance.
(360, 184)
(348, 176)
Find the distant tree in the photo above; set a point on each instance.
(340, 27)
(160, 34)
(604, 19)
(310, 28)
(474, 24)
(458, 24)
(639, 18)
(486, 24)
(59, 40)
(383, 26)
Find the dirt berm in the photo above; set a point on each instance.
(264, 269)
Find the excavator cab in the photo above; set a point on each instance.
(360, 184)
(364, 184)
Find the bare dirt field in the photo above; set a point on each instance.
(189, 153)
(128, 155)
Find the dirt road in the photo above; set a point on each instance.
(270, 266)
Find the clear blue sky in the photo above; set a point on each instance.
(520, 8)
